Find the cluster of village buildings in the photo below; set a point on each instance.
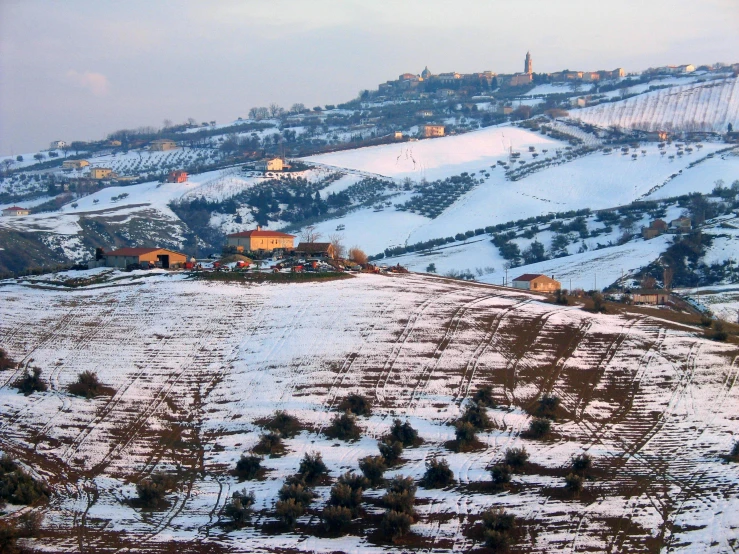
(409, 82)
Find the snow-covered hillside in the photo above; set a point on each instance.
(707, 106)
(194, 364)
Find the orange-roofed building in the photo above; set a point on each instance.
(178, 176)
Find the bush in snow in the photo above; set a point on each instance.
(151, 491)
(248, 467)
(484, 397)
(438, 474)
(547, 407)
(404, 433)
(88, 385)
(283, 423)
(574, 483)
(501, 474)
(344, 427)
(373, 468)
(477, 416)
(240, 508)
(465, 434)
(357, 405)
(516, 457)
(270, 444)
(390, 450)
(582, 464)
(31, 382)
(401, 494)
(395, 524)
(288, 511)
(5, 361)
(312, 467)
(497, 527)
(336, 518)
(16, 486)
(539, 427)
(297, 491)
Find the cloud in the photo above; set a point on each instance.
(96, 83)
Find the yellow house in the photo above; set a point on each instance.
(273, 164)
(433, 131)
(74, 164)
(536, 282)
(100, 172)
(259, 239)
(160, 145)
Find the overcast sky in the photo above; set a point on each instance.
(80, 69)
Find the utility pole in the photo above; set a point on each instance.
(505, 282)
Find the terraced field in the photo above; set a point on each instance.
(195, 363)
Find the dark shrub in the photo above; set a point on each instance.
(484, 397)
(16, 486)
(354, 481)
(31, 382)
(151, 491)
(477, 416)
(88, 386)
(343, 427)
(539, 427)
(357, 405)
(403, 433)
(240, 508)
(548, 405)
(283, 423)
(401, 494)
(390, 451)
(706, 320)
(573, 483)
(312, 467)
(719, 333)
(516, 457)
(501, 474)
(437, 474)
(289, 511)
(298, 492)
(343, 495)
(373, 468)
(5, 361)
(270, 444)
(496, 540)
(735, 450)
(336, 518)
(465, 434)
(497, 519)
(599, 303)
(395, 524)
(582, 464)
(248, 467)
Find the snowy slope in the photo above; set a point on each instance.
(708, 106)
(194, 364)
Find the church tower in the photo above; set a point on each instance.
(529, 66)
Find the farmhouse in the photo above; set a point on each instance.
(656, 228)
(101, 173)
(74, 164)
(126, 256)
(259, 239)
(57, 144)
(681, 224)
(316, 250)
(433, 131)
(536, 282)
(178, 176)
(273, 164)
(160, 145)
(16, 211)
(649, 296)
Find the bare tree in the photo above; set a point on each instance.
(167, 123)
(310, 234)
(337, 241)
(667, 274)
(275, 110)
(357, 255)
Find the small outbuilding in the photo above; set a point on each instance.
(536, 282)
(273, 164)
(124, 257)
(654, 297)
(16, 211)
(324, 250)
(178, 176)
(74, 164)
(162, 145)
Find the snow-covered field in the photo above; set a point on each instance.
(195, 363)
(708, 106)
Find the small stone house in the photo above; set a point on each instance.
(74, 164)
(433, 131)
(681, 224)
(536, 282)
(650, 296)
(161, 145)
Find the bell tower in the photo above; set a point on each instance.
(528, 64)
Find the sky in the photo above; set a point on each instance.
(81, 69)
